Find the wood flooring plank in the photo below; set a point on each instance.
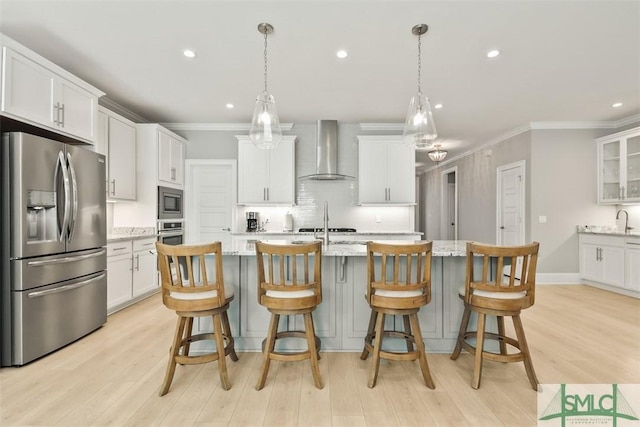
(221, 404)
(345, 399)
(284, 401)
(376, 405)
(315, 404)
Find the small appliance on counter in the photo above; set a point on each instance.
(253, 219)
(288, 223)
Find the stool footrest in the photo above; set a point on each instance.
(489, 355)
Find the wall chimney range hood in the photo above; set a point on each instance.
(326, 153)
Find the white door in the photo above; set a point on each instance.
(449, 204)
(210, 194)
(510, 215)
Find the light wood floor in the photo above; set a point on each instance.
(577, 334)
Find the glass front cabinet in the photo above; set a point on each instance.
(619, 167)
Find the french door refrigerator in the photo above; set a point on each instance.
(53, 231)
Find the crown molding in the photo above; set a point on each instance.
(232, 127)
(119, 109)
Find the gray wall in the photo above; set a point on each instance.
(561, 179)
(476, 189)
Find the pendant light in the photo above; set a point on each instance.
(419, 128)
(438, 154)
(265, 129)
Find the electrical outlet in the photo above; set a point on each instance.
(542, 219)
(378, 218)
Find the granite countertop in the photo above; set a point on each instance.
(606, 230)
(333, 233)
(440, 247)
(119, 234)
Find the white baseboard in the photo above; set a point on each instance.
(558, 279)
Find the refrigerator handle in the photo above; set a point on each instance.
(65, 288)
(62, 167)
(74, 199)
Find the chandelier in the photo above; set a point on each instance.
(438, 154)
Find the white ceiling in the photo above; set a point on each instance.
(562, 61)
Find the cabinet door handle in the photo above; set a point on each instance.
(137, 262)
(113, 187)
(268, 194)
(56, 113)
(61, 109)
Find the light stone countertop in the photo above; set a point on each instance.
(444, 248)
(605, 230)
(333, 233)
(119, 234)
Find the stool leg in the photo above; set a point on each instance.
(464, 324)
(227, 333)
(268, 349)
(524, 348)
(407, 329)
(173, 352)
(370, 333)
(477, 369)
(222, 360)
(503, 345)
(313, 352)
(188, 330)
(375, 363)
(424, 366)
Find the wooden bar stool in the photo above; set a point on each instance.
(193, 290)
(288, 285)
(399, 284)
(512, 290)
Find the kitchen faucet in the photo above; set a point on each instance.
(627, 229)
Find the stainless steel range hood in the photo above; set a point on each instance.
(326, 153)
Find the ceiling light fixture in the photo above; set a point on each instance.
(189, 53)
(342, 54)
(438, 106)
(437, 155)
(617, 105)
(493, 53)
(265, 129)
(229, 105)
(419, 127)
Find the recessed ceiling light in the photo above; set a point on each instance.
(189, 53)
(438, 106)
(229, 105)
(617, 104)
(342, 54)
(493, 53)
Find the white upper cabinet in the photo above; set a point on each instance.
(117, 141)
(386, 171)
(619, 167)
(40, 93)
(266, 176)
(170, 159)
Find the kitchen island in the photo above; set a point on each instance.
(341, 320)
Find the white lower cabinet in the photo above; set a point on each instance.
(632, 259)
(131, 272)
(602, 259)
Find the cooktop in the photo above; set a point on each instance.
(332, 230)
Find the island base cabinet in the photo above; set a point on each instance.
(231, 270)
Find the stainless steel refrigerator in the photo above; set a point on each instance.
(53, 233)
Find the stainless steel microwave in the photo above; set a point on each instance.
(170, 203)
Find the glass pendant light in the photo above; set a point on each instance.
(419, 128)
(438, 154)
(265, 129)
